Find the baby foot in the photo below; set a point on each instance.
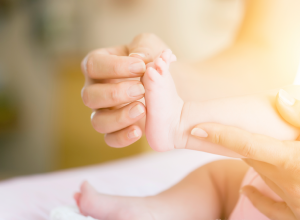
(163, 104)
(104, 207)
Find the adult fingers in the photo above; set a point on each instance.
(270, 208)
(276, 174)
(124, 137)
(104, 64)
(253, 146)
(107, 121)
(97, 96)
(263, 168)
(274, 182)
(146, 46)
(272, 176)
(288, 104)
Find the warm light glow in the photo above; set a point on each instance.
(297, 79)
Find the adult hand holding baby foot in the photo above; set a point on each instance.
(107, 88)
(277, 162)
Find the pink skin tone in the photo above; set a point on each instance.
(168, 126)
(163, 114)
(100, 206)
(198, 196)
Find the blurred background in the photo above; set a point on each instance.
(44, 125)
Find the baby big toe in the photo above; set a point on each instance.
(151, 64)
(161, 65)
(77, 197)
(173, 58)
(166, 54)
(151, 75)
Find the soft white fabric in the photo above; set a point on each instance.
(33, 197)
(68, 213)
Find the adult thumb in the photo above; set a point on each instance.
(288, 104)
(146, 46)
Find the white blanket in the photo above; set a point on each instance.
(33, 197)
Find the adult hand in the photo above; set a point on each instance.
(112, 81)
(277, 162)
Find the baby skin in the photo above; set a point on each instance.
(164, 106)
(210, 192)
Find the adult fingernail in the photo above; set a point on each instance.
(133, 134)
(286, 97)
(136, 90)
(92, 115)
(136, 111)
(199, 133)
(84, 64)
(137, 68)
(137, 54)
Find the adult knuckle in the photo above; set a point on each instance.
(117, 68)
(121, 89)
(247, 148)
(290, 160)
(114, 95)
(220, 136)
(285, 164)
(216, 138)
(293, 189)
(120, 118)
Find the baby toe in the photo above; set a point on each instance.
(76, 196)
(173, 58)
(151, 75)
(151, 64)
(166, 54)
(161, 65)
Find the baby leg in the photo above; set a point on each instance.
(208, 193)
